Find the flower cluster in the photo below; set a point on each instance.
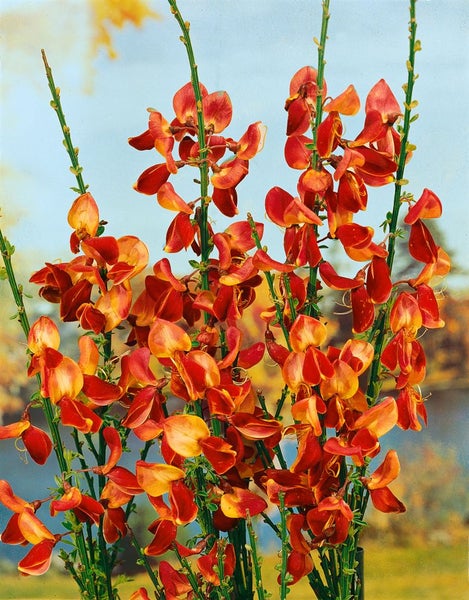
(213, 446)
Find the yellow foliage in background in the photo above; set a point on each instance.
(117, 13)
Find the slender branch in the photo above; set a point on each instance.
(321, 44)
(72, 151)
(284, 589)
(379, 331)
(256, 560)
(203, 150)
(409, 105)
(7, 251)
(311, 305)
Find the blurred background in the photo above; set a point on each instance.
(113, 59)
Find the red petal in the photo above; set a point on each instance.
(144, 141)
(385, 501)
(113, 441)
(299, 116)
(152, 179)
(217, 111)
(167, 198)
(76, 414)
(335, 281)
(380, 418)
(230, 173)
(252, 141)
(239, 501)
(226, 200)
(428, 306)
(378, 280)
(166, 338)
(346, 103)
(352, 194)
(262, 261)
(248, 357)
(219, 453)
(240, 235)
(124, 480)
(38, 559)
(328, 135)
(184, 103)
(421, 244)
(38, 444)
(180, 234)
(363, 310)
(297, 155)
(428, 206)
(43, 334)
(10, 500)
(100, 392)
(306, 331)
(165, 534)
(184, 434)
(285, 210)
(381, 99)
(254, 428)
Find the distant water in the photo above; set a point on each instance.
(448, 425)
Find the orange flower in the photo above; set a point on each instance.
(380, 418)
(83, 217)
(155, 478)
(166, 338)
(382, 497)
(239, 501)
(185, 434)
(38, 559)
(330, 520)
(86, 508)
(208, 564)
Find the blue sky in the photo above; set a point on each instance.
(251, 50)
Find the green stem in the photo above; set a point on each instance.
(409, 105)
(379, 330)
(198, 594)
(224, 589)
(242, 577)
(256, 560)
(311, 306)
(203, 150)
(143, 560)
(289, 295)
(285, 548)
(7, 251)
(315, 159)
(72, 151)
(281, 401)
(87, 556)
(271, 283)
(317, 585)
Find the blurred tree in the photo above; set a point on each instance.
(117, 13)
(13, 360)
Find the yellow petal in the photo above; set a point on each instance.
(155, 478)
(184, 434)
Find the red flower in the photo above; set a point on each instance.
(330, 520)
(382, 497)
(35, 440)
(209, 562)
